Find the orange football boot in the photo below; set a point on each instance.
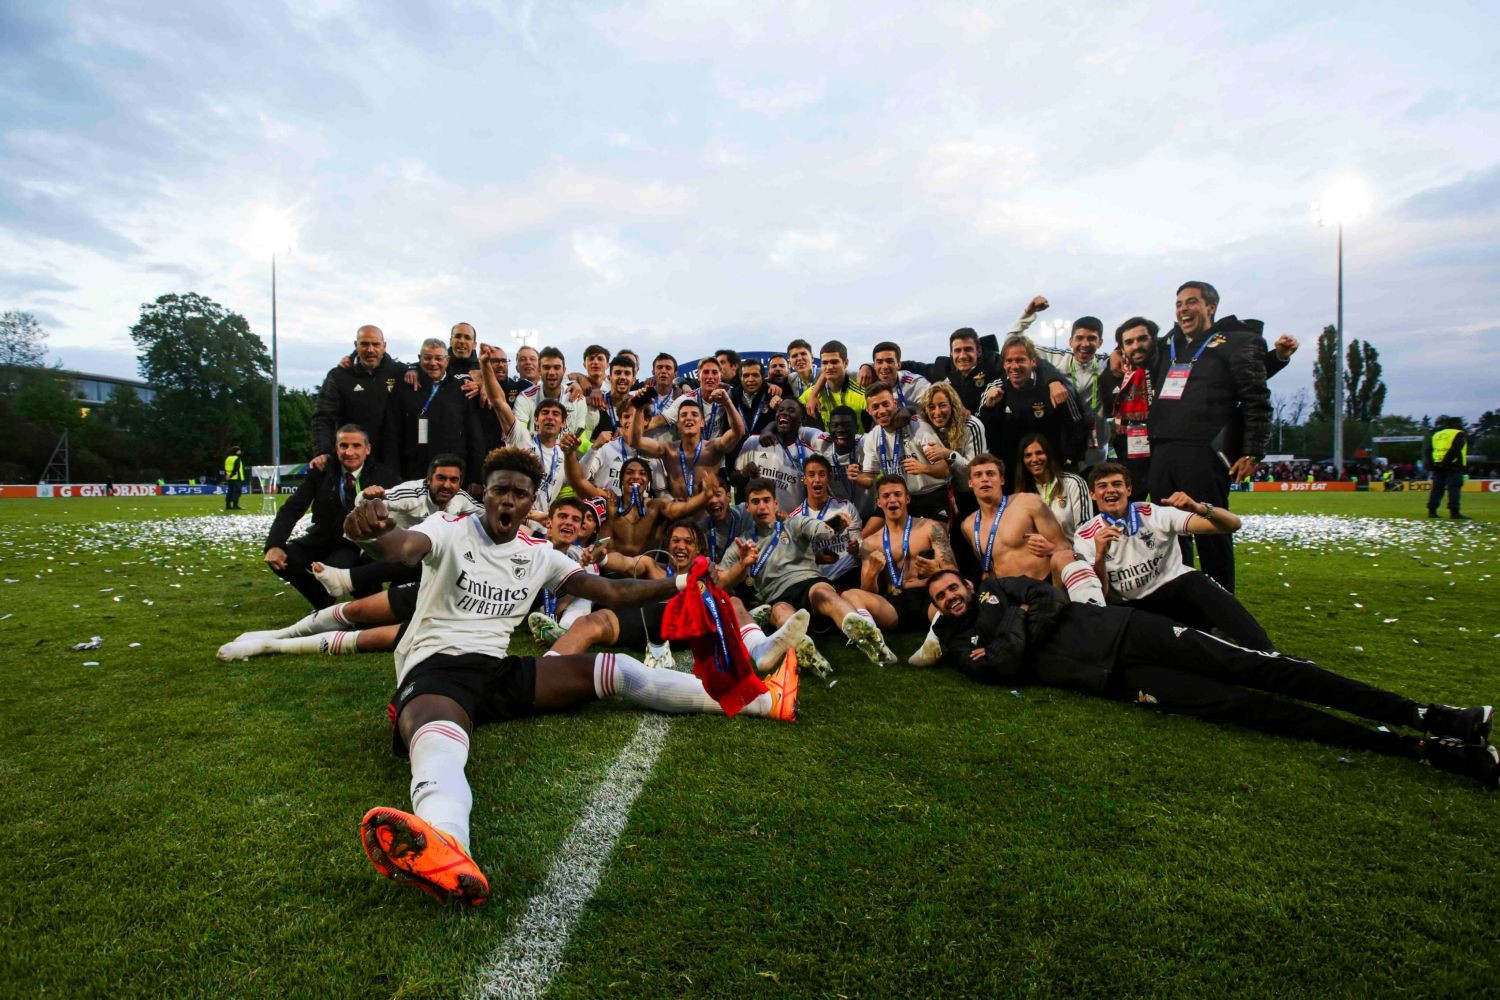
(783, 686)
(406, 848)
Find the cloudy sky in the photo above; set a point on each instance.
(677, 176)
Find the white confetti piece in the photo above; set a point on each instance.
(94, 643)
(116, 598)
(135, 645)
(1359, 649)
(1358, 605)
(5, 616)
(9, 580)
(1389, 620)
(106, 590)
(90, 663)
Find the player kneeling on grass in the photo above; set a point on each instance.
(1016, 630)
(453, 673)
(641, 627)
(778, 564)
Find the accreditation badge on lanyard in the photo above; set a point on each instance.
(1137, 442)
(1177, 375)
(422, 416)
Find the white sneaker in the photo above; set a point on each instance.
(928, 654)
(866, 635)
(243, 649)
(336, 581)
(783, 639)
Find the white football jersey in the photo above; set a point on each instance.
(474, 591)
(838, 545)
(1146, 556)
(910, 388)
(883, 452)
(410, 503)
(715, 415)
(782, 463)
(579, 417)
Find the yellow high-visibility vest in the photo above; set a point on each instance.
(1443, 440)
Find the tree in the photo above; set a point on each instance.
(1323, 367)
(1364, 389)
(212, 375)
(22, 339)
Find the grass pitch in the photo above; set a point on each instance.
(181, 827)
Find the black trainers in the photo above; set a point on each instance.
(1480, 763)
(1467, 725)
(1432, 512)
(1460, 517)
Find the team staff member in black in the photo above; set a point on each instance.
(331, 492)
(1022, 405)
(357, 394)
(436, 418)
(1017, 630)
(1209, 374)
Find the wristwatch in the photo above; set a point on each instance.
(1208, 511)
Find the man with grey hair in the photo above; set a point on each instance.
(434, 419)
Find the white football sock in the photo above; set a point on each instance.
(1082, 583)
(753, 636)
(332, 643)
(661, 690)
(769, 650)
(574, 611)
(440, 791)
(866, 615)
(328, 619)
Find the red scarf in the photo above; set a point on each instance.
(704, 615)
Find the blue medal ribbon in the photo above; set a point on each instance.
(760, 563)
(721, 642)
(636, 501)
(886, 466)
(713, 535)
(688, 479)
(549, 603)
(552, 472)
(801, 451)
(989, 548)
(807, 511)
(1131, 522)
(890, 560)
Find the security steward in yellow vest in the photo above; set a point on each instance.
(234, 479)
(1450, 455)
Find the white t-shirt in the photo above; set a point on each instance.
(908, 442)
(839, 544)
(1139, 562)
(474, 591)
(579, 417)
(782, 464)
(910, 388)
(411, 503)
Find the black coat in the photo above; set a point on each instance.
(1051, 641)
(1029, 410)
(452, 426)
(354, 396)
(323, 491)
(1226, 391)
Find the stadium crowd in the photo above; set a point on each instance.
(1035, 515)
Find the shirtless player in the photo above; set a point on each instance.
(900, 557)
(633, 515)
(684, 473)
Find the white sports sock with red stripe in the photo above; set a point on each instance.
(662, 690)
(1082, 583)
(439, 788)
(329, 619)
(754, 638)
(332, 643)
(866, 615)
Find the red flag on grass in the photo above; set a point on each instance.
(703, 615)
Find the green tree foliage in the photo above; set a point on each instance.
(22, 339)
(1323, 366)
(297, 406)
(212, 374)
(1363, 387)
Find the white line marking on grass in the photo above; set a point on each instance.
(532, 954)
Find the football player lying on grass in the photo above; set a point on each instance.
(641, 627)
(1016, 630)
(453, 671)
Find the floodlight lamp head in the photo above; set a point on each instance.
(1344, 200)
(271, 231)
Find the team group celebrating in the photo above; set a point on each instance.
(1033, 515)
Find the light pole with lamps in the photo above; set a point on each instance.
(273, 233)
(1345, 200)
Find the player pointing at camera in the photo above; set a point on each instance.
(453, 671)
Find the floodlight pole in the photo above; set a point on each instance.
(275, 387)
(1338, 370)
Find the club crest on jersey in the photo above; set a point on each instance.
(988, 598)
(390, 385)
(1038, 410)
(520, 566)
(1217, 339)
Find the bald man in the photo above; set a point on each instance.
(357, 394)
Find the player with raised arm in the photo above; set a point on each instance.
(780, 452)
(633, 515)
(640, 627)
(778, 565)
(694, 454)
(1134, 549)
(453, 671)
